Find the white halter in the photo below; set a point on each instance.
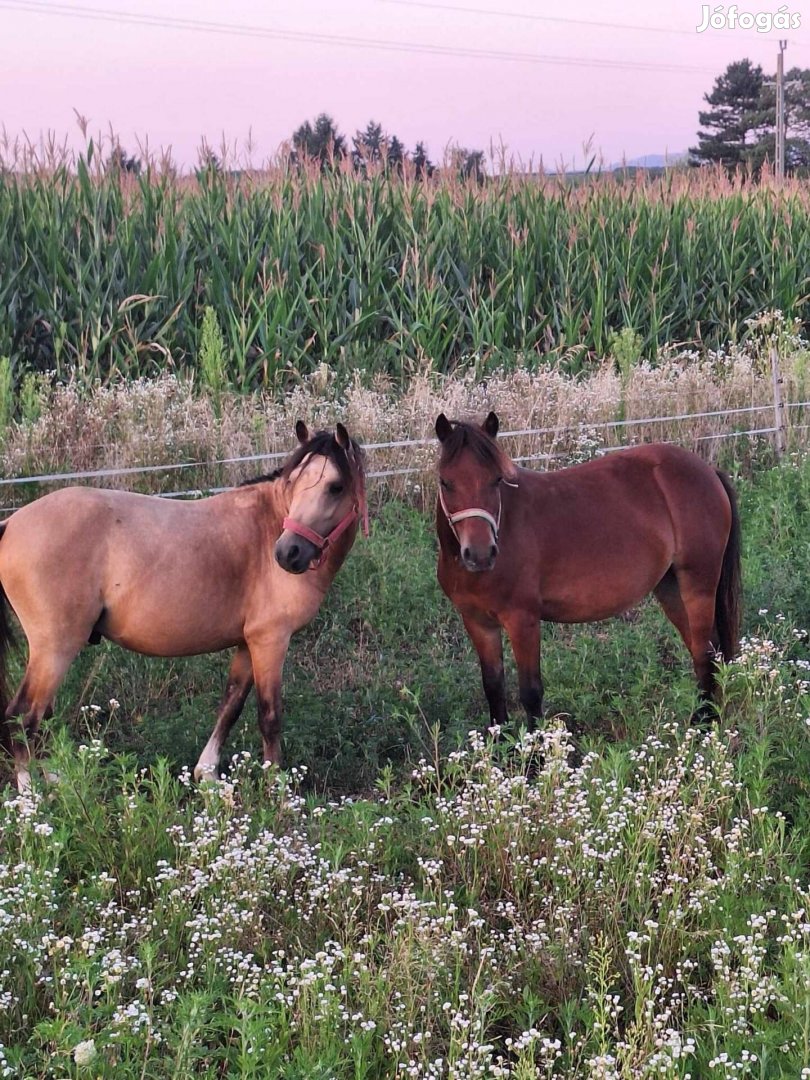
(475, 512)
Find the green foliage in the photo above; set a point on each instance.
(423, 166)
(110, 274)
(797, 123)
(497, 910)
(212, 357)
(625, 348)
(6, 394)
(734, 116)
(34, 393)
(119, 161)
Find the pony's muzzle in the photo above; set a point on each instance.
(294, 553)
(478, 560)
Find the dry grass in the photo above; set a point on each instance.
(169, 420)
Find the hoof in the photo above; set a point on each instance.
(533, 764)
(206, 773)
(706, 715)
(577, 754)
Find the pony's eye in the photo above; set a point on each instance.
(336, 489)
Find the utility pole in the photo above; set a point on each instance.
(780, 112)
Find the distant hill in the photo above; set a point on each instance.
(652, 161)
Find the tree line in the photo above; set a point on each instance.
(320, 141)
(739, 127)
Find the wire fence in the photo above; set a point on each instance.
(400, 444)
(411, 447)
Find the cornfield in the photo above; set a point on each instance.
(104, 273)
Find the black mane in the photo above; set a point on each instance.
(262, 479)
(323, 443)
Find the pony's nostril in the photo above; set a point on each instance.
(493, 551)
(292, 551)
(466, 554)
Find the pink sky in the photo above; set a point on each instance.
(175, 86)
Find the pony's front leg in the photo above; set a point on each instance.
(485, 635)
(523, 628)
(268, 655)
(237, 688)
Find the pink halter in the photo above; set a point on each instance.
(322, 543)
(359, 510)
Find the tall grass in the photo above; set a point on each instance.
(641, 913)
(102, 272)
(638, 916)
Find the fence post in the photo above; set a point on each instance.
(780, 431)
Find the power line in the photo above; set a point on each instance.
(78, 11)
(243, 30)
(531, 17)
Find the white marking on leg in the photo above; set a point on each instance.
(206, 768)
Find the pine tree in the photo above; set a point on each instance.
(422, 164)
(469, 164)
(120, 161)
(396, 153)
(369, 146)
(375, 146)
(321, 141)
(735, 122)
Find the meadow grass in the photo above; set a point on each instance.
(410, 899)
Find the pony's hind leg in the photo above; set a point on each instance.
(33, 703)
(691, 609)
(237, 688)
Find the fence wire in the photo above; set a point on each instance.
(405, 444)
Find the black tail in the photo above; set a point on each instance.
(728, 605)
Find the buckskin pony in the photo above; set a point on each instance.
(246, 569)
(583, 544)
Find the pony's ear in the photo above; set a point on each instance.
(302, 432)
(443, 427)
(491, 425)
(342, 437)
